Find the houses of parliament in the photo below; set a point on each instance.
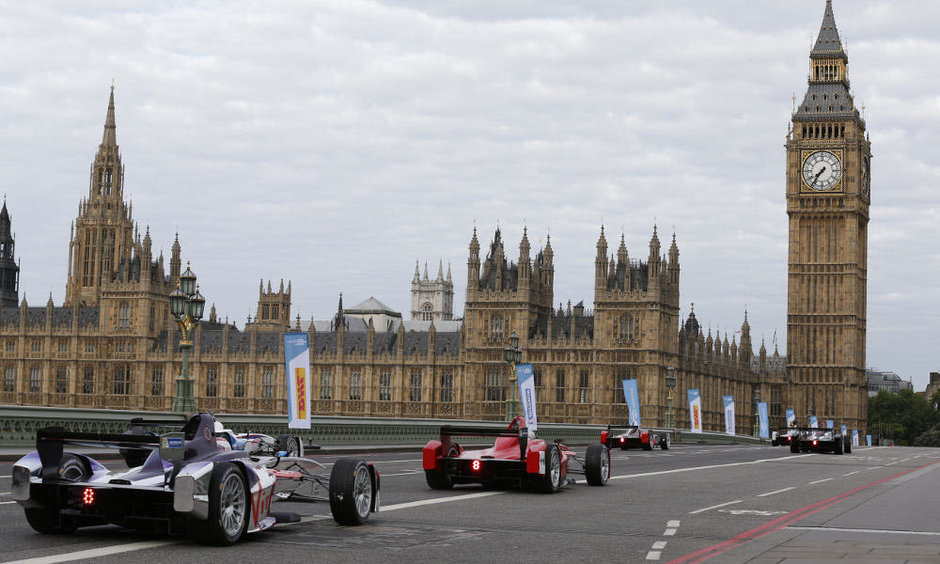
(113, 344)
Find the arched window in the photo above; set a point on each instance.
(496, 327)
(626, 327)
(124, 314)
(427, 312)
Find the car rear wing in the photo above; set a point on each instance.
(51, 441)
(448, 431)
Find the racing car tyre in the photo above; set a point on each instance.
(48, 521)
(351, 491)
(73, 468)
(664, 442)
(597, 465)
(438, 480)
(649, 445)
(291, 444)
(551, 481)
(228, 508)
(795, 446)
(838, 448)
(848, 446)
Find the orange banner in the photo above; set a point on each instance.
(300, 378)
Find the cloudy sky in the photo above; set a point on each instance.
(333, 143)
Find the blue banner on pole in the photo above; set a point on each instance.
(813, 422)
(868, 440)
(763, 420)
(791, 418)
(631, 394)
(844, 428)
(830, 424)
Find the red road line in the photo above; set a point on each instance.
(780, 522)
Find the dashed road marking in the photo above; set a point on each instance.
(765, 494)
(659, 545)
(821, 481)
(850, 473)
(653, 554)
(761, 512)
(709, 508)
(406, 473)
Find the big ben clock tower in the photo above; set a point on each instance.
(828, 197)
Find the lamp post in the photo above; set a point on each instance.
(186, 305)
(755, 397)
(670, 386)
(513, 356)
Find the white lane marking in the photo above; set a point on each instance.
(669, 533)
(874, 467)
(672, 523)
(6, 502)
(5, 493)
(850, 473)
(709, 467)
(436, 500)
(659, 545)
(96, 552)
(821, 481)
(653, 555)
(765, 494)
(760, 512)
(887, 531)
(704, 509)
(891, 463)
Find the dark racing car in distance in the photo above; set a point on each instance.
(515, 459)
(820, 440)
(632, 436)
(783, 437)
(187, 482)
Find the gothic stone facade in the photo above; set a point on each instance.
(113, 344)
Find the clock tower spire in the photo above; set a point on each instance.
(828, 198)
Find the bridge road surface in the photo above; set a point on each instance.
(693, 503)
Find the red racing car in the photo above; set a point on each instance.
(632, 436)
(515, 459)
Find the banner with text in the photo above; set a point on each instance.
(297, 362)
(791, 418)
(868, 440)
(762, 420)
(830, 424)
(695, 411)
(844, 429)
(631, 394)
(813, 422)
(729, 414)
(526, 379)
(855, 437)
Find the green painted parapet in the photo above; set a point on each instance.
(18, 426)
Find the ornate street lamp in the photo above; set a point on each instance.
(513, 356)
(670, 386)
(187, 306)
(755, 399)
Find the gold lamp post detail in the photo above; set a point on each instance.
(513, 356)
(187, 306)
(670, 386)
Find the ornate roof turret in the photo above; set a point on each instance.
(828, 43)
(109, 139)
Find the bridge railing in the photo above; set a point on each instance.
(18, 426)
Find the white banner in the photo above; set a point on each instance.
(695, 411)
(526, 379)
(729, 414)
(297, 368)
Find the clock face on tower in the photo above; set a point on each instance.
(822, 171)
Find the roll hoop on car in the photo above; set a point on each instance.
(179, 481)
(517, 458)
